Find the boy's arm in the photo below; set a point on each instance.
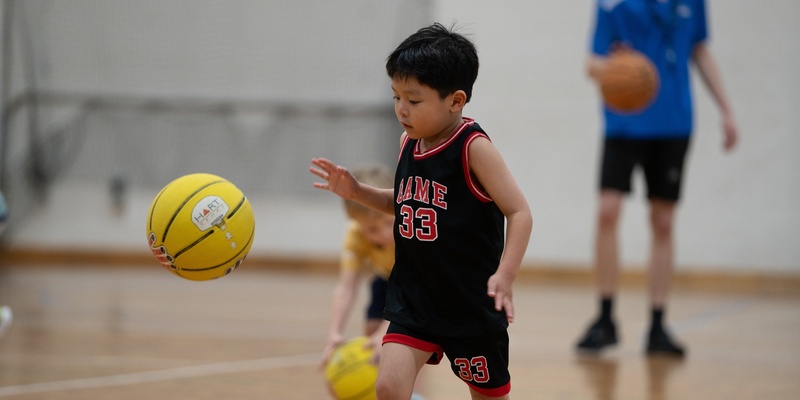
(488, 166)
(707, 67)
(341, 182)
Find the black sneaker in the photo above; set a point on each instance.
(659, 342)
(599, 335)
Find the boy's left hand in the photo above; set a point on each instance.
(499, 288)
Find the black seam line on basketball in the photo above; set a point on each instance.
(342, 372)
(238, 206)
(171, 220)
(158, 197)
(224, 263)
(185, 249)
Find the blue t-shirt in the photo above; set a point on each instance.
(666, 31)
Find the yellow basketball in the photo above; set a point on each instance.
(350, 372)
(200, 227)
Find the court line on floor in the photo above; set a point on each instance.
(712, 314)
(194, 371)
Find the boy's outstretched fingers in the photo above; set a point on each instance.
(337, 179)
(323, 171)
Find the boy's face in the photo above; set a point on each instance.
(421, 111)
(379, 230)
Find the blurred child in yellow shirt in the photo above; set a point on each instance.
(368, 249)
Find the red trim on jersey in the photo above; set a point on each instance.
(473, 184)
(492, 392)
(418, 155)
(403, 146)
(419, 344)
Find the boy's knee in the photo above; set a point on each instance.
(385, 389)
(608, 215)
(662, 227)
(662, 223)
(609, 209)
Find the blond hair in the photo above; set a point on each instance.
(374, 175)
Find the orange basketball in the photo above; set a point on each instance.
(630, 82)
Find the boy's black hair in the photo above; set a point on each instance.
(437, 57)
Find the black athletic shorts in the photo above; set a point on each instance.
(480, 361)
(661, 160)
(378, 302)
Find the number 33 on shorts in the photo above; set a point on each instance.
(465, 369)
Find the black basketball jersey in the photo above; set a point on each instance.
(449, 237)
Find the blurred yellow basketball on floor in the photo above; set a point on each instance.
(350, 372)
(200, 227)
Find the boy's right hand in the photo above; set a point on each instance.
(338, 179)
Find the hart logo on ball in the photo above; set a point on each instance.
(209, 212)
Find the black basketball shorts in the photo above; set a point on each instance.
(661, 160)
(480, 361)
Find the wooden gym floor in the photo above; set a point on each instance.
(85, 332)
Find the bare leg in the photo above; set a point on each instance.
(662, 217)
(602, 332)
(398, 371)
(662, 221)
(606, 242)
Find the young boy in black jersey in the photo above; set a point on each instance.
(450, 291)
